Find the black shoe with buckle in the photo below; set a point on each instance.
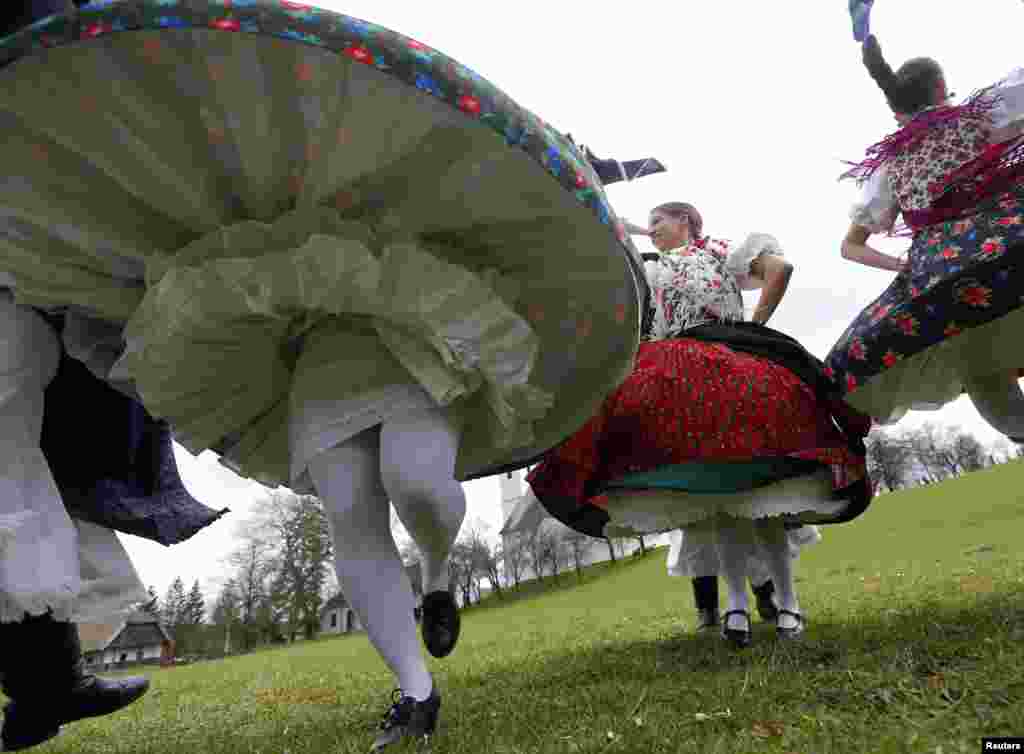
(408, 718)
(441, 623)
(794, 632)
(739, 638)
(766, 607)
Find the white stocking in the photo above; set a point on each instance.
(417, 466)
(370, 572)
(735, 542)
(776, 553)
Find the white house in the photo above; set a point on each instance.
(523, 514)
(138, 639)
(338, 617)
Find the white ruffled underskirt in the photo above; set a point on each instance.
(929, 380)
(318, 426)
(694, 556)
(74, 569)
(633, 512)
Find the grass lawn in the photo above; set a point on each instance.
(915, 643)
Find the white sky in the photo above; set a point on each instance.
(751, 106)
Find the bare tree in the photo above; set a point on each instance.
(549, 542)
(462, 569)
(576, 545)
(926, 447)
(514, 555)
(535, 551)
(969, 453)
(488, 558)
(945, 452)
(889, 459)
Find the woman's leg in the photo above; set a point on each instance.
(775, 549)
(370, 572)
(417, 469)
(693, 552)
(999, 400)
(735, 543)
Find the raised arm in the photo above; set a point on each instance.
(774, 272)
(855, 248)
(635, 230)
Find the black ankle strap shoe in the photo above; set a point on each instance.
(441, 623)
(408, 718)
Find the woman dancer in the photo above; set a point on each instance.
(70, 444)
(949, 321)
(366, 311)
(696, 555)
(700, 413)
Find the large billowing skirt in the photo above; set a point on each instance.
(697, 430)
(955, 317)
(306, 223)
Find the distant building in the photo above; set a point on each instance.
(338, 617)
(523, 514)
(140, 639)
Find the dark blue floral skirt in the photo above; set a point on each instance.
(948, 316)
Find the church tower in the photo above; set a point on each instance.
(511, 491)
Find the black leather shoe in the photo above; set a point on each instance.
(48, 686)
(739, 638)
(408, 718)
(791, 633)
(707, 620)
(22, 730)
(27, 725)
(765, 605)
(94, 697)
(441, 623)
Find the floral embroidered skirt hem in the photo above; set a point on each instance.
(696, 423)
(956, 315)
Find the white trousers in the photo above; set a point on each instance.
(78, 570)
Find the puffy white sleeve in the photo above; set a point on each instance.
(877, 208)
(742, 257)
(1010, 105)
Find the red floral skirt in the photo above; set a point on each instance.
(691, 401)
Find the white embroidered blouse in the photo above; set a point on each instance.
(701, 283)
(905, 182)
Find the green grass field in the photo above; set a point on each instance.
(915, 643)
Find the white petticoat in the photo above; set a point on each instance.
(695, 556)
(48, 561)
(649, 511)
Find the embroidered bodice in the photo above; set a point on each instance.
(918, 174)
(701, 283)
(912, 170)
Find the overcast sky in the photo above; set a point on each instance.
(751, 105)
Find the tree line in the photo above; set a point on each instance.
(481, 562)
(902, 458)
(273, 587)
